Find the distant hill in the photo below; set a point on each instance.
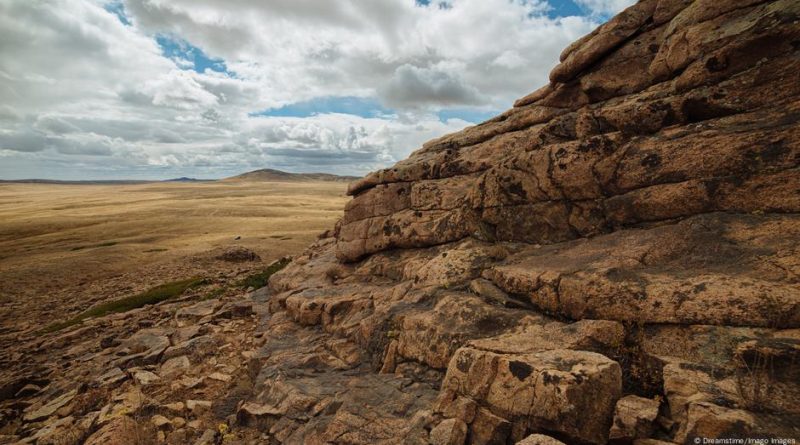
(268, 174)
(185, 179)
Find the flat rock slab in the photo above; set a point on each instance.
(49, 408)
(710, 269)
(199, 310)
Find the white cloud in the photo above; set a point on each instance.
(605, 7)
(84, 94)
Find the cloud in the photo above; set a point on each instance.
(605, 7)
(156, 88)
(472, 51)
(23, 141)
(411, 86)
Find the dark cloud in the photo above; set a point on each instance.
(411, 86)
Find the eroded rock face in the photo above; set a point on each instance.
(615, 258)
(605, 146)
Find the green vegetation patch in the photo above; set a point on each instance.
(215, 293)
(106, 244)
(260, 279)
(154, 295)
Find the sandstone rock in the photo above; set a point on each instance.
(496, 181)
(452, 406)
(633, 419)
(242, 309)
(113, 376)
(176, 407)
(160, 421)
(145, 347)
(539, 439)
(449, 432)
(197, 347)
(601, 336)
(49, 408)
(432, 336)
(190, 382)
(585, 280)
(175, 366)
(254, 414)
(31, 389)
(603, 40)
(489, 429)
(59, 432)
(198, 310)
(550, 390)
(121, 430)
(494, 295)
(208, 438)
(220, 377)
(178, 422)
(707, 420)
(186, 333)
(144, 378)
(198, 407)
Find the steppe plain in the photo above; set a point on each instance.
(67, 247)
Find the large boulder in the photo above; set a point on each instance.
(545, 391)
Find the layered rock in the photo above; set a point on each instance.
(615, 258)
(605, 147)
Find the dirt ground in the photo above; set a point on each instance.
(64, 248)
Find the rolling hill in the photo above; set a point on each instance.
(268, 174)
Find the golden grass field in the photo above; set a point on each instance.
(64, 247)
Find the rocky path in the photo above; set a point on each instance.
(139, 377)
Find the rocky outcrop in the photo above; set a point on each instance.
(606, 148)
(614, 259)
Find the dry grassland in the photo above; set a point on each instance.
(64, 248)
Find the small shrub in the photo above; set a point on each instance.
(260, 279)
(151, 296)
(215, 293)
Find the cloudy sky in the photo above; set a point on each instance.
(155, 89)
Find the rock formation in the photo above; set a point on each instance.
(614, 260)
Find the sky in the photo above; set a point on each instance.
(158, 89)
